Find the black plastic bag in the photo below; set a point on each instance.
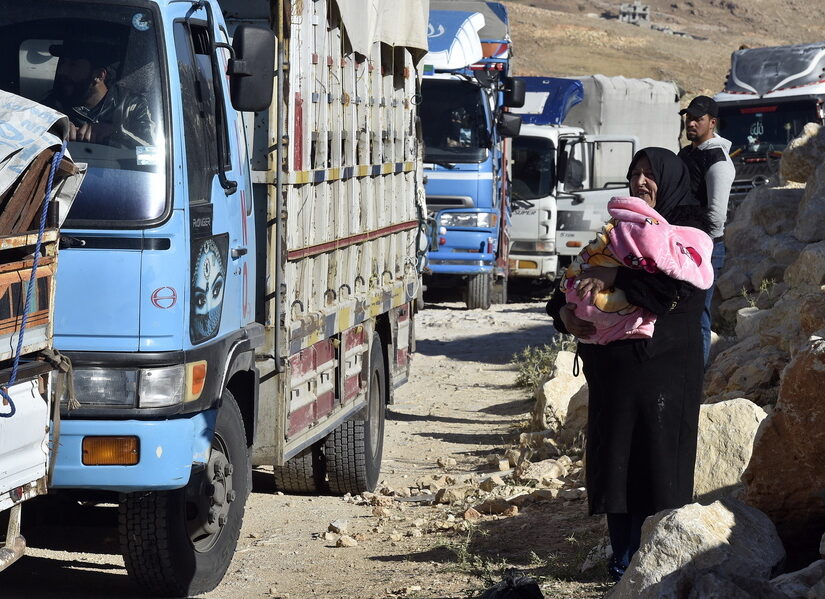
(514, 585)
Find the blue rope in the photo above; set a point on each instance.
(43, 214)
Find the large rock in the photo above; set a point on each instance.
(808, 271)
(726, 433)
(748, 369)
(812, 313)
(786, 474)
(680, 547)
(713, 586)
(797, 585)
(803, 154)
(810, 219)
(555, 394)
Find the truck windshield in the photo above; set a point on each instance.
(453, 121)
(534, 167)
(98, 64)
(764, 128)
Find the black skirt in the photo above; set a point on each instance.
(643, 415)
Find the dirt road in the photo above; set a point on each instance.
(461, 404)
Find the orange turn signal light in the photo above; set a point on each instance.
(195, 380)
(574, 244)
(111, 451)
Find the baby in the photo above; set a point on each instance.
(636, 237)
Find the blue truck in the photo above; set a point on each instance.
(466, 91)
(238, 270)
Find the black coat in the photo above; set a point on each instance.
(644, 400)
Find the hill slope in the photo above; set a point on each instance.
(568, 38)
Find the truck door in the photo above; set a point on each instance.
(215, 181)
(592, 169)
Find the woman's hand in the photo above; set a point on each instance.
(594, 280)
(575, 325)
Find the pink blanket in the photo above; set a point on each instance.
(636, 237)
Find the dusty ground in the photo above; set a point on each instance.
(461, 403)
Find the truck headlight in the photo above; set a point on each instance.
(129, 387)
(480, 220)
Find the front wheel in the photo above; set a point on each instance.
(180, 543)
(479, 289)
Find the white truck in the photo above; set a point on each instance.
(572, 156)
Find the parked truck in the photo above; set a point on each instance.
(769, 95)
(36, 178)
(572, 157)
(466, 91)
(238, 267)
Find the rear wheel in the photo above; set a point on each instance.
(180, 543)
(499, 292)
(353, 451)
(303, 473)
(479, 289)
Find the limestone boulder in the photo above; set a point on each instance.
(808, 270)
(556, 393)
(749, 320)
(803, 154)
(748, 369)
(797, 585)
(812, 313)
(679, 547)
(786, 475)
(710, 585)
(732, 283)
(726, 433)
(810, 217)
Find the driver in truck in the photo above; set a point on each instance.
(99, 111)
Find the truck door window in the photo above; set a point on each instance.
(756, 131)
(534, 167)
(574, 174)
(99, 64)
(198, 101)
(454, 121)
(609, 161)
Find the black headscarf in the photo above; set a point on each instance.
(674, 199)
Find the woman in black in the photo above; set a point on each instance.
(644, 393)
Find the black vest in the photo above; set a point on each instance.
(698, 163)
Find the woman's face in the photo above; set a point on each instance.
(643, 181)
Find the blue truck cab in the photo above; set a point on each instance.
(465, 91)
(155, 301)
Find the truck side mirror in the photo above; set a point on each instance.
(252, 69)
(509, 124)
(514, 92)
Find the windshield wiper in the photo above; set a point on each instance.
(449, 165)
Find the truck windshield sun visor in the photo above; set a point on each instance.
(99, 64)
(454, 122)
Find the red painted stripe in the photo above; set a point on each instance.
(325, 404)
(351, 387)
(243, 216)
(337, 244)
(301, 418)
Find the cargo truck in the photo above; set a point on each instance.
(238, 268)
(769, 95)
(466, 92)
(37, 177)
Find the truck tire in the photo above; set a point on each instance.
(303, 473)
(499, 291)
(353, 451)
(180, 543)
(479, 289)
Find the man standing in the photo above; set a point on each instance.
(711, 175)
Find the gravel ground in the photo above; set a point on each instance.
(460, 403)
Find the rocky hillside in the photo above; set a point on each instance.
(568, 38)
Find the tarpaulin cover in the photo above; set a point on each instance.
(549, 99)
(763, 70)
(645, 108)
(26, 129)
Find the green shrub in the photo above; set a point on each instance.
(536, 365)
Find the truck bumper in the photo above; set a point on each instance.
(533, 266)
(168, 449)
(464, 253)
